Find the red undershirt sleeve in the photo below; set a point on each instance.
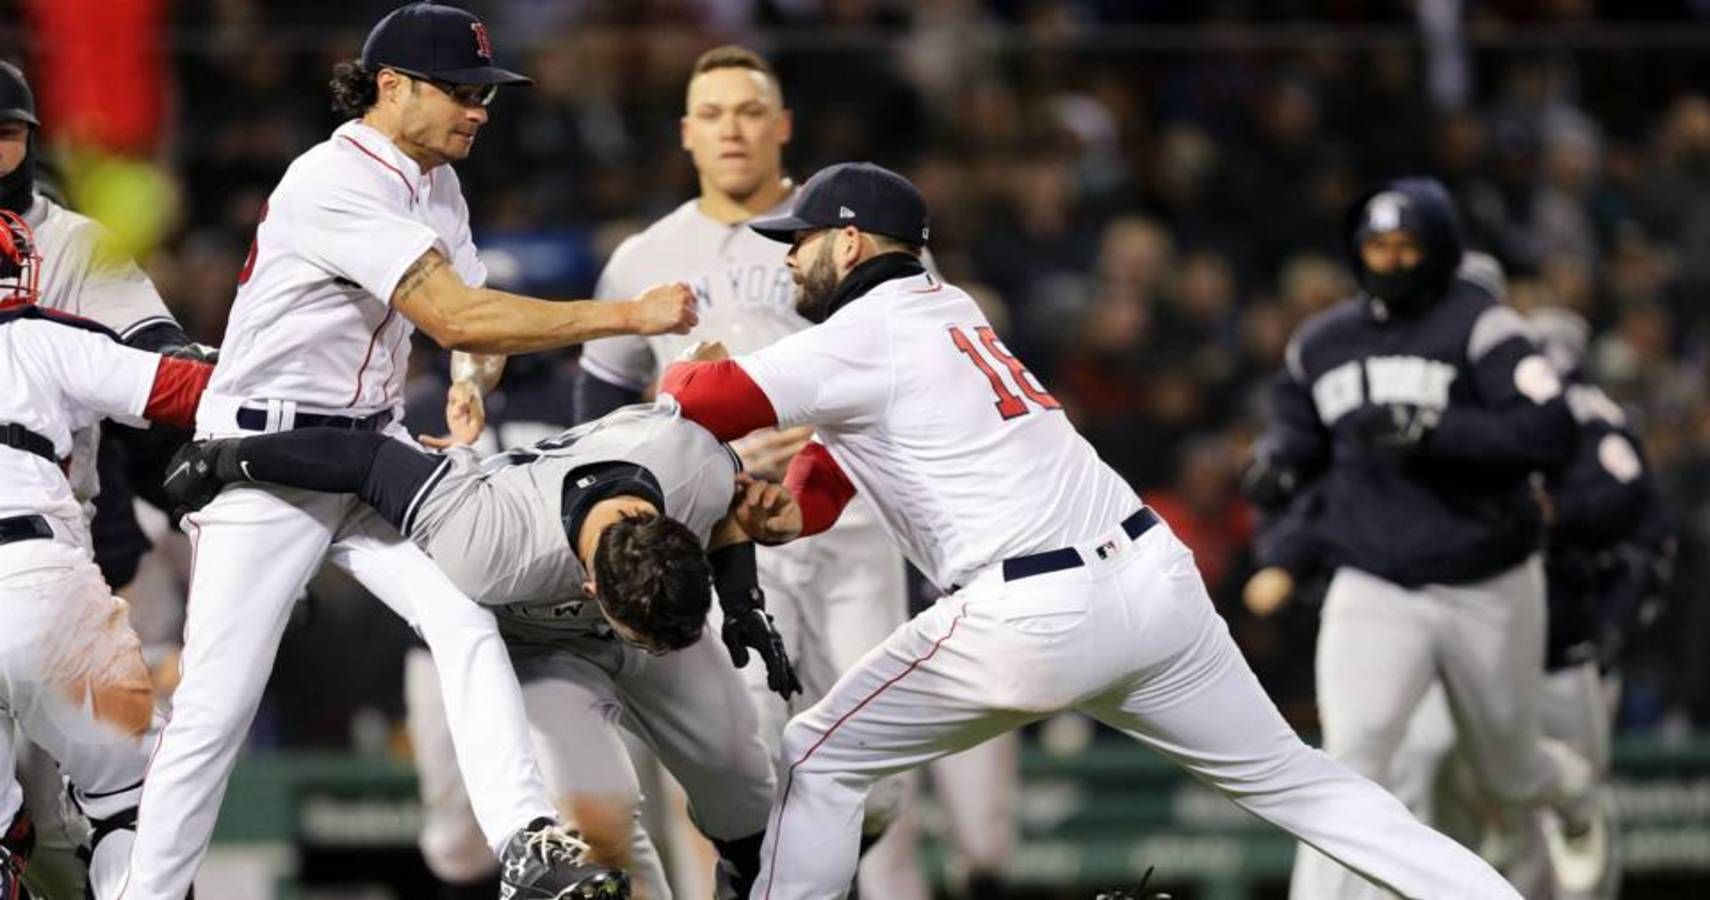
(720, 397)
(178, 386)
(820, 488)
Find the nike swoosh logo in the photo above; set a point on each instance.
(244, 465)
(177, 472)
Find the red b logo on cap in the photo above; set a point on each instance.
(483, 46)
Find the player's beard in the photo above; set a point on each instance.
(817, 286)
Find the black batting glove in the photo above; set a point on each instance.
(1394, 431)
(197, 473)
(750, 627)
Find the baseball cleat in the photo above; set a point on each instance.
(1579, 851)
(547, 861)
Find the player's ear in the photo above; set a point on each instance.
(849, 241)
(786, 126)
(683, 132)
(588, 587)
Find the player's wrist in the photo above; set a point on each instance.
(627, 316)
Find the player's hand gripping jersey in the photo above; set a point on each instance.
(967, 459)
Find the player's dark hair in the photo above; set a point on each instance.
(733, 56)
(354, 89)
(652, 575)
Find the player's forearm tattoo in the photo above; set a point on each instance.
(418, 273)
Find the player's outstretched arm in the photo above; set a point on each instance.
(484, 320)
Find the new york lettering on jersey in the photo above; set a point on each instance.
(745, 292)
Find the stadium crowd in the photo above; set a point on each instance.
(1147, 201)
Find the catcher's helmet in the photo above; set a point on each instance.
(20, 261)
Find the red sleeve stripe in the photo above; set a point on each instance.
(178, 386)
(719, 397)
(820, 488)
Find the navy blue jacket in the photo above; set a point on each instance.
(1608, 534)
(1458, 506)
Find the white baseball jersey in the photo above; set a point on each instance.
(965, 456)
(745, 294)
(56, 380)
(81, 274)
(312, 322)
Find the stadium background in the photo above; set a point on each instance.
(1147, 194)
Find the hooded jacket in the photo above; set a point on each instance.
(1456, 505)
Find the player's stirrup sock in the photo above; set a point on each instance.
(386, 473)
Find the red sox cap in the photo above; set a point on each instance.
(869, 197)
(442, 43)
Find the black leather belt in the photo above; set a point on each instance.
(24, 528)
(15, 435)
(1018, 567)
(250, 419)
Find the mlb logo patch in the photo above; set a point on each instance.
(1107, 549)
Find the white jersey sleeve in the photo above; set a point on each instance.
(95, 376)
(838, 372)
(626, 360)
(352, 229)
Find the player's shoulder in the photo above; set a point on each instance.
(34, 322)
(64, 230)
(1328, 329)
(341, 164)
(664, 231)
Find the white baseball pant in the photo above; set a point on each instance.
(1437, 783)
(255, 550)
(687, 707)
(73, 679)
(1130, 638)
(834, 597)
(1381, 647)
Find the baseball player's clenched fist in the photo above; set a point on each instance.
(767, 511)
(666, 308)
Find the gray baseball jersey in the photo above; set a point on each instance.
(495, 525)
(745, 293)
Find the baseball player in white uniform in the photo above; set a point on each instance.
(81, 274)
(833, 597)
(529, 530)
(72, 676)
(1063, 590)
(365, 238)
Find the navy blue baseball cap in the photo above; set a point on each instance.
(17, 103)
(869, 197)
(443, 43)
